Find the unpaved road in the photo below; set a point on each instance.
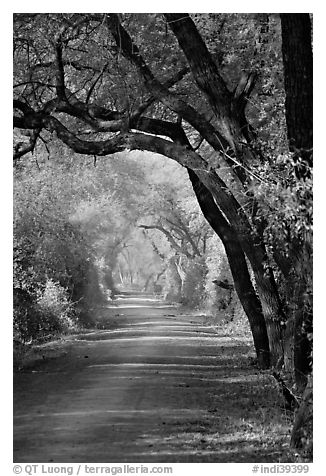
(159, 388)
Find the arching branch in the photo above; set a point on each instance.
(174, 244)
(130, 50)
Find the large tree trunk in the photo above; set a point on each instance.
(298, 334)
(254, 248)
(302, 432)
(298, 80)
(272, 309)
(229, 111)
(238, 267)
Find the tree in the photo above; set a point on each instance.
(297, 54)
(106, 98)
(298, 76)
(52, 259)
(298, 82)
(70, 223)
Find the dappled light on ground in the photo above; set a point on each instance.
(160, 387)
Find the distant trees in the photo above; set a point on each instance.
(188, 88)
(80, 235)
(53, 268)
(69, 226)
(177, 230)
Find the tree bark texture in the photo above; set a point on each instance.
(238, 267)
(302, 432)
(298, 81)
(229, 112)
(254, 249)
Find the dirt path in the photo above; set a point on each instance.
(160, 388)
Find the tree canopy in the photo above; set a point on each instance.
(217, 93)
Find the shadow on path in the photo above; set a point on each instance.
(162, 387)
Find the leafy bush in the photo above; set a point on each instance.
(26, 318)
(55, 282)
(55, 308)
(286, 202)
(48, 311)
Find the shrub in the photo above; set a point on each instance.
(55, 308)
(55, 280)
(47, 311)
(26, 318)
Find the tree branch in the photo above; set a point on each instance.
(176, 151)
(180, 152)
(184, 232)
(169, 99)
(180, 249)
(199, 58)
(21, 149)
(205, 71)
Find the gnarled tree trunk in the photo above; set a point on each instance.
(298, 80)
(238, 267)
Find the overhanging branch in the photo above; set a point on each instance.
(130, 50)
(174, 244)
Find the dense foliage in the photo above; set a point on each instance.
(222, 95)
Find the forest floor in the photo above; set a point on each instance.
(155, 385)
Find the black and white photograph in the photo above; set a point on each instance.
(162, 241)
